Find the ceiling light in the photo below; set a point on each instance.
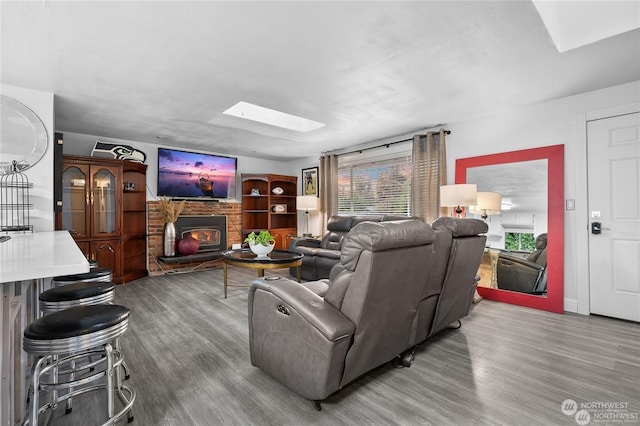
(272, 117)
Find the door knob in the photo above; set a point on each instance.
(596, 228)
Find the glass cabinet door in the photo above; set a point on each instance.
(75, 200)
(103, 202)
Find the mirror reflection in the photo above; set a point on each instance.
(516, 257)
(23, 137)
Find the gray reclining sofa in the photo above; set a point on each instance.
(321, 255)
(397, 283)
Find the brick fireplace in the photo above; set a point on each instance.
(155, 224)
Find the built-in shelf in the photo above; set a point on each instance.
(257, 210)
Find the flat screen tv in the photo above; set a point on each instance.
(183, 174)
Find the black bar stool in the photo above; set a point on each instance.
(80, 293)
(94, 274)
(63, 337)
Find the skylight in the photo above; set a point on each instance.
(572, 24)
(272, 117)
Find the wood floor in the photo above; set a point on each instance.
(188, 352)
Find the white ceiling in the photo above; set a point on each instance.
(523, 184)
(163, 72)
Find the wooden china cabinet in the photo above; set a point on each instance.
(104, 210)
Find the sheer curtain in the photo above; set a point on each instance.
(328, 188)
(429, 172)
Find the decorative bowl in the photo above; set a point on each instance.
(260, 250)
(277, 191)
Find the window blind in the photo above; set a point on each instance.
(375, 186)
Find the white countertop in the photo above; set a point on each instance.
(40, 255)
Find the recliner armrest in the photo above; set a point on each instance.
(517, 274)
(304, 242)
(329, 321)
(524, 263)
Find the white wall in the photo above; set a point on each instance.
(40, 175)
(543, 124)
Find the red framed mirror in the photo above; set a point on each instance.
(553, 156)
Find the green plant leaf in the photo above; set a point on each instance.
(264, 238)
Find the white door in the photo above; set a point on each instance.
(613, 149)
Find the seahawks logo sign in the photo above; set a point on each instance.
(118, 151)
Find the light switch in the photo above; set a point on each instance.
(570, 204)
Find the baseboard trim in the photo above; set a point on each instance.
(571, 305)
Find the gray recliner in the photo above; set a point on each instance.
(382, 299)
(315, 345)
(458, 250)
(524, 275)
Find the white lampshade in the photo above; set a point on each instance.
(306, 202)
(458, 195)
(488, 203)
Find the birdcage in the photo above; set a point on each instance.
(14, 201)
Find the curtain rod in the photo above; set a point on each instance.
(386, 145)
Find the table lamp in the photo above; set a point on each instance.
(489, 203)
(306, 203)
(458, 195)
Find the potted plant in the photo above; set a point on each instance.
(261, 244)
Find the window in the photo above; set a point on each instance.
(380, 185)
(519, 241)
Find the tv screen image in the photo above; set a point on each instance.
(183, 174)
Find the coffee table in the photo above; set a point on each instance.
(245, 258)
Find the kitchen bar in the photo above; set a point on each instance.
(27, 262)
